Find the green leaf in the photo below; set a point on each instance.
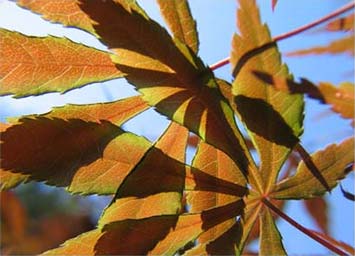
(331, 162)
(270, 237)
(87, 155)
(168, 75)
(36, 65)
(178, 16)
(273, 118)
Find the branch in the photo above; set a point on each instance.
(296, 31)
(304, 230)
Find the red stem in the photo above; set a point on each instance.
(296, 31)
(304, 230)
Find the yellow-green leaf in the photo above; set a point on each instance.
(270, 238)
(217, 164)
(331, 162)
(155, 186)
(273, 118)
(170, 77)
(87, 155)
(178, 16)
(36, 65)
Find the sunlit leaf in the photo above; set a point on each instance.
(36, 65)
(155, 186)
(341, 24)
(86, 155)
(160, 235)
(341, 97)
(170, 77)
(9, 179)
(66, 12)
(331, 162)
(214, 162)
(178, 16)
(270, 237)
(84, 243)
(248, 220)
(217, 164)
(225, 244)
(344, 45)
(273, 118)
(117, 112)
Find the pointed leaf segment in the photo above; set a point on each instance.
(273, 119)
(87, 152)
(36, 65)
(177, 14)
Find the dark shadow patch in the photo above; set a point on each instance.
(52, 150)
(262, 119)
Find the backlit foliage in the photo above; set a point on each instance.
(161, 205)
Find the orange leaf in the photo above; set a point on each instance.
(36, 65)
(343, 45)
(170, 77)
(341, 97)
(155, 186)
(160, 235)
(342, 24)
(178, 16)
(87, 155)
(214, 162)
(13, 218)
(66, 12)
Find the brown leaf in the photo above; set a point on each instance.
(13, 219)
(318, 210)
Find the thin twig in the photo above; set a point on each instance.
(296, 31)
(302, 229)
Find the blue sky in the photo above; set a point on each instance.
(216, 25)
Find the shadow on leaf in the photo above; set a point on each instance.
(54, 149)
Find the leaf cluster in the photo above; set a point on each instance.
(161, 204)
